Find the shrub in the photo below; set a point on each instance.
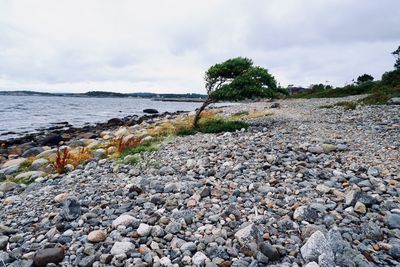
(144, 147)
(218, 126)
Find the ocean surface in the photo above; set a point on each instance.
(20, 115)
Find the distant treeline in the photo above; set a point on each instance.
(105, 94)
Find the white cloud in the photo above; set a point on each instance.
(165, 46)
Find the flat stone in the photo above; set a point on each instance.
(31, 152)
(13, 162)
(30, 175)
(7, 186)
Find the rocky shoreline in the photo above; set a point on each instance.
(303, 187)
(65, 132)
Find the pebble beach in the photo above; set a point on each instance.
(303, 186)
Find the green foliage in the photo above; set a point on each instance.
(186, 131)
(396, 53)
(215, 126)
(144, 147)
(132, 160)
(364, 78)
(219, 126)
(347, 105)
(381, 95)
(237, 79)
(347, 90)
(391, 78)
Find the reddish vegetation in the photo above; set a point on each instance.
(61, 160)
(122, 144)
(81, 157)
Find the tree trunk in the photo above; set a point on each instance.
(198, 112)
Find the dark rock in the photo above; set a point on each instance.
(150, 111)
(352, 197)
(217, 252)
(395, 252)
(232, 209)
(115, 122)
(51, 140)
(48, 255)
(32, 152)
(5, 230)
(270, 251)
(275, 105)
(71, 209)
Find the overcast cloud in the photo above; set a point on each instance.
(166, 46)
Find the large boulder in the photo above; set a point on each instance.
(394, 101)
(31, 152)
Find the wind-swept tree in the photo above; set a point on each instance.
(364, 78)
(236, 79)
(396, 54)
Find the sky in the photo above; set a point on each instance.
(166, 46)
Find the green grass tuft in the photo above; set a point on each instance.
(144, 147)
(219, 126)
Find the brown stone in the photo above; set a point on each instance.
(97, 236)
(48, 255)
(60, 197)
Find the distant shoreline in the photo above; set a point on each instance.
(97, 94)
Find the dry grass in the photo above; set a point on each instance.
(81, 156)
